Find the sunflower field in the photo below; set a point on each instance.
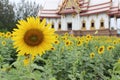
(33, 51)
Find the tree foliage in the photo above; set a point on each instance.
(6, 15)
(24, 9)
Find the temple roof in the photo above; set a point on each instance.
(50, 9)
(100, 7)
(54, 8)
(49, 14)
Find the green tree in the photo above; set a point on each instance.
(24, 9)
(6, 15)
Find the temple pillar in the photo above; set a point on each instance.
(63, 23)
(115, 22)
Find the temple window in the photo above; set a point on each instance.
(83, 25)
(59, 26)
(69, 25)
(101, 23)
(52, 25)
(92, 24)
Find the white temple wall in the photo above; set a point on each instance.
(76, 22)
(86, 19)
(70, 18)
(115, 23)
(118, 23)
(63, 23)
(97, 18)
(54, 21)
(80, 23)
(105, 17)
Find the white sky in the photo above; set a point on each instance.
(51, 4)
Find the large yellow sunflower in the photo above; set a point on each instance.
(33, 36)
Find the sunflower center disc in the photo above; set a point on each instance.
(79, 42)
(33, 37)
(101, 49)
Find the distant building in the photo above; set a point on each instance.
(82, 14)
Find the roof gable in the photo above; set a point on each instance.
(69, 6)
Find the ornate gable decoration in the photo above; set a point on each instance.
(68, 5)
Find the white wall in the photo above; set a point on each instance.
(77, 21)
(70, 19)
(55, 21)
(63, 23)
(118, 23)
(105, 18)
(86, 19)
(115, 23)
(97, 19)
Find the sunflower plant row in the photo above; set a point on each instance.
(7, 52)
(85, 58)
(44, 55)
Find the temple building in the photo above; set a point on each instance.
(82, 14)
